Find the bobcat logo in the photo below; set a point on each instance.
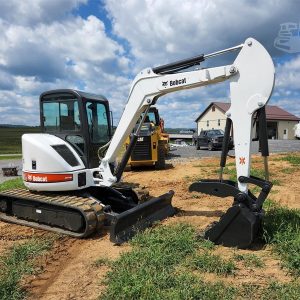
(164, 83)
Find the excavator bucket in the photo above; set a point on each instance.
(240, 225)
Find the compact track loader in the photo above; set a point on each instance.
(70, 171)
(152, 145)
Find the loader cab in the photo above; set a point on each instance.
(151, 122)
(81, 119)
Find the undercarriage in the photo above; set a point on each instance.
(83, 213)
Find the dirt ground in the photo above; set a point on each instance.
(68, 271)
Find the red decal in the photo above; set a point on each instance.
(242, 160)
(46, 178)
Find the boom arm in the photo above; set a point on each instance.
(251, 83)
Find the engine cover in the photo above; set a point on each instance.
(51, 164)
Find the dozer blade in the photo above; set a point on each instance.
(126, 224)
(238, 227)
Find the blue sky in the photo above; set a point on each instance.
(99, 46)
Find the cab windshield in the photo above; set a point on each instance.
(150, 118)
(61, 116)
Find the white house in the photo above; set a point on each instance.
(280, 123)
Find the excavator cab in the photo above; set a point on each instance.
(81, 119)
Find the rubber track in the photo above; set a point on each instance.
(87, 206)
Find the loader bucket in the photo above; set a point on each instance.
(238, 227)
(126, 224)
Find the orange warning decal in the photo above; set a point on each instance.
(46, 178)
(242, 160)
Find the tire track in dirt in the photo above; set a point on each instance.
(10, 234)
(69, 270)
(50, 265)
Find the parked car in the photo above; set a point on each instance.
(179, 143)
(211, 139)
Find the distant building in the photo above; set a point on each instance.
(280, 123)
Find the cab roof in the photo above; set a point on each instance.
(75, 93)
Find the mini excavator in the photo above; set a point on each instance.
(70, 171)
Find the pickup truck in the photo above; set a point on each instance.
(211, 139)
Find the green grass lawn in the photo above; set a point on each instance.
(16, 263)
(282, 230)
(16, 183)
(6, 157)
(168, 262)
(19, 260)
(10, 138)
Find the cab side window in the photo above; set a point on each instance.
(97, 122)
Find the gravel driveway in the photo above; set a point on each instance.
(275, 146)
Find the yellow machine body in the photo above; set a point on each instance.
(152, 145)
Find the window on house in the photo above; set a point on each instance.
(219, 122)
(213, 108)
(207, 123)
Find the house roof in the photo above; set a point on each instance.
(273, 112)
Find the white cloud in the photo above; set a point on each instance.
(37, 11)
(290, 104)
(73, 53)
(288, 75)
(46, 45)
(159, 31)
(287, 91)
